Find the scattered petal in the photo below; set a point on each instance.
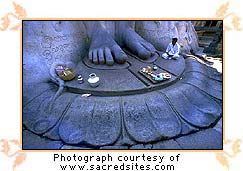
(85, 95)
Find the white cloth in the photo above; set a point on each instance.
(173, 51)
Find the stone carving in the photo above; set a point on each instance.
(107, 49)
(187, 36)
(57, 41)
(160, 33)
(57, 48)
(125, 109)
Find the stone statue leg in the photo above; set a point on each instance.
(127, 37)
(103, 49)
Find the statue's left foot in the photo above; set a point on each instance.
(137, 45)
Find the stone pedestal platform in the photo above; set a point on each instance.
(128, 111)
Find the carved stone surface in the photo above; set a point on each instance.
(169, 144)
(207, 139)
(54, 40)
(100, 120)
(126, 111)
(127, 80)
(32, 141)
(160, 33)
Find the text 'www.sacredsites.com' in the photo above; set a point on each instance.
(113, 161)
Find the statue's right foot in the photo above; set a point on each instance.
(104, 50)
(137, 45)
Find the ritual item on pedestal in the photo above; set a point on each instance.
(93, 80)
(64, 73)
(152, 74)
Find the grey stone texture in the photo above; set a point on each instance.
(141, 147)
(69, 147)
(126, 111)
(219, 126)
(168, 144)
(160, 33)
(194, 106)
(32, 141)
(92, 120)
(207, 139)
(114, 148)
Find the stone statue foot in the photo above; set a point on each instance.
(104, 50)
(137, 45)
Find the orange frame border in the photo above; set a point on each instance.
(124, 151)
